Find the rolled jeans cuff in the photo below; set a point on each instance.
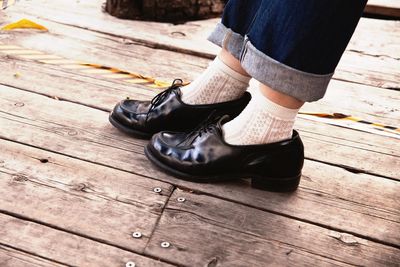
(302, 85)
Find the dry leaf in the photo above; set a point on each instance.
(24, 24)
(161, 84)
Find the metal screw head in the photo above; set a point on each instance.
(181, 199)
(165, 244)
(130, 264)
(157, 190)
(137, 234)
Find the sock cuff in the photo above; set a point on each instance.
(273, 108)
(218, 63)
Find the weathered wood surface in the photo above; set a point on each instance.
(104, 204)
(62, 247)
(88, 15)
(10, 257)
(379, 56)
(83, 45)
(172, 64)
(377, 59)
(189, 37)
(92, 46)
(64, 168)
(327, 195)
(384, 7)
(255, 238)
(344, 97)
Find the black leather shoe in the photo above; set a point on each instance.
(204, 156)
(167, 112)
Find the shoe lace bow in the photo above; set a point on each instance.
(158, 99)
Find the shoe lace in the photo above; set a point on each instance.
(208, 125)
(158, 99)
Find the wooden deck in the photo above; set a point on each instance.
(73, 190)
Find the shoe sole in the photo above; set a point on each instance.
(267, 184)
(127, 130)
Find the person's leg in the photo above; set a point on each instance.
(292, 48)
(225, 79)
(220, 82)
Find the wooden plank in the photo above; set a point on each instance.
(328, 196)
(376, 37)
(343, 98)
(10, 257)
(383, 7)
(222, 233)
(87, 46)
(65, 248)
(378, 71)
(91, 47)
(188, 37)
(88, 15)
(90, 200)
(369, 60)
(377, 160)
(382, 109)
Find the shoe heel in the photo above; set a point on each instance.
(276, 184)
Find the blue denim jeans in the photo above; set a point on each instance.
(292, 46)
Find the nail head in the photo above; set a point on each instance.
(181, 199)
(130, 264)
(157, 190)
(165, 244)
(137, 234)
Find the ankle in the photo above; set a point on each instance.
(232, 62)
(218, 83)
(261, 122)
(280, 98)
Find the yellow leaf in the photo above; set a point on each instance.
(24, 24)
(162, 84)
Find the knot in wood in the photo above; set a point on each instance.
(72, 133)
(19, 104)
(213, 262)
(178, 34)
(20, 178)
(82, 187)
(347, 239)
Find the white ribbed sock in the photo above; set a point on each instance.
(218, 83)
(261, 122)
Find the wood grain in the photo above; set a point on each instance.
(358, 100)
(73, 189)
(328, 196)
(366, 62)
(89, 200)
(221, 233)
(10, 257)
(345, 98)
(75, 43)
(62, 247)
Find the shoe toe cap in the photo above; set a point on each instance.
(129, 112)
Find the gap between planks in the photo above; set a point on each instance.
(183, 183)
(196, 34)
(14, 257)
(99, 254)
(199, 207)
(111, 99)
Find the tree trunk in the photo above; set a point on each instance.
(175, 11)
